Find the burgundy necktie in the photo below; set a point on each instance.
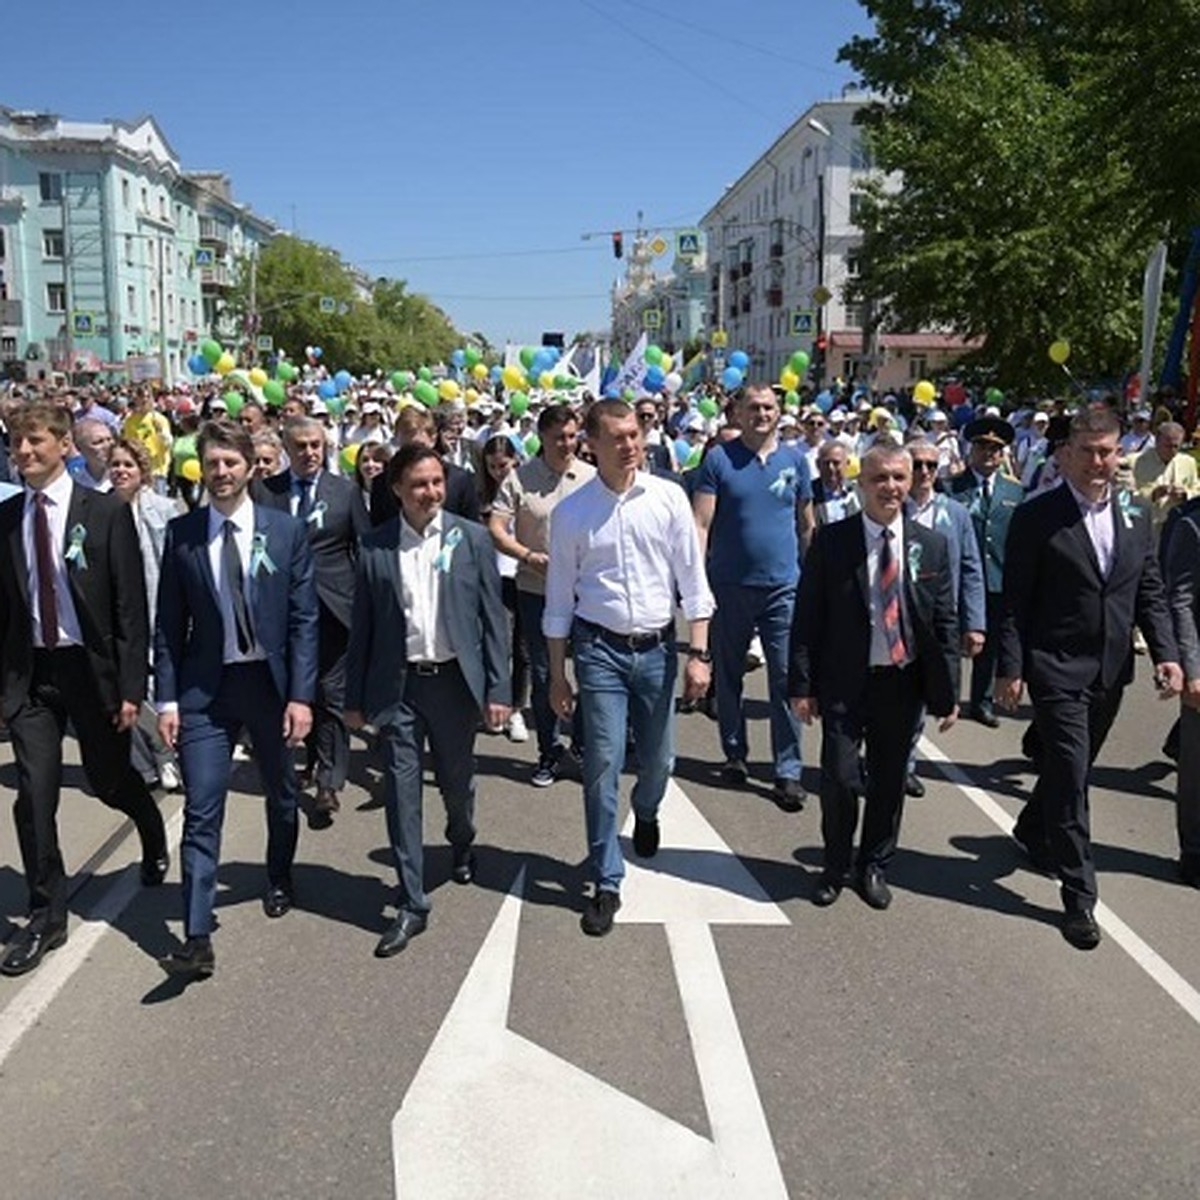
(889, 595)
(47, 604)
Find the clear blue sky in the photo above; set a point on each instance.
(403, 133)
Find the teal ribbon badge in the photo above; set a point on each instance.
(786, 479)
(75, 552)
(259, 558)
(915, 550)
(1129, 511)
(317, 516)
(446, 553)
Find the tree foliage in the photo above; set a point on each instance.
(393, 328)
(1040, 164)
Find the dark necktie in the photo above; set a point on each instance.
(47, 604)
(234, 580)
(889, 600)
(304, 508)
(987, 493)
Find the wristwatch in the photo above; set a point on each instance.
(704, 656)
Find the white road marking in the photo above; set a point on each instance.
(536, 1124)
(25, 1009)
(1157, 967)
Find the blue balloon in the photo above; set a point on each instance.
(825, 400)
(496, 374)
(458, 358)
(317, 352)
(612, 392)
(683, 449)
(198, 364)
(739, 359)
(654, 379)
(341, 381)
(327, 389)
(731, 377)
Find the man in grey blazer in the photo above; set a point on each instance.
(428, 653)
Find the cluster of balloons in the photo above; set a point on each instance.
(793, 373)
(734, 374)
(211, 358)
(660, 373)
(468, 358)
(313, 354)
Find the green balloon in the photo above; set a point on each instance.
(336, 405)
(211, 351)
(233, 403)
(533, 444)
(654, 355)
(398, 381)
(424, 374)
(472, 356)
(426, 393)
(518, 403)
(707, 407)
(799, 362)
(693, 459)
(628, 395)
(994, 396)
(285, 371)
(528, 354)
(273, 392)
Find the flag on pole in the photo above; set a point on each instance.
(632, 372)
(1152, 286)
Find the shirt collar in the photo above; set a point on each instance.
(58, 492)
(433, 529)
(297, 480)
(1090, 506)
(242, 517)
(874, 529)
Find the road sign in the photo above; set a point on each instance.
(658, 246)
(83, 324)
(687, 243)
(803, 322)
(205, 257)
(328, 304)
(652, 319)
(264, 341)
(525, 1111)
(720, 338)
(821, 295)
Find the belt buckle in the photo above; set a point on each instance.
(425, 669)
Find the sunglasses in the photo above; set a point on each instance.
(925, 464)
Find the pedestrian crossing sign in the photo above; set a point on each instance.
(687, 243)
(802, 322)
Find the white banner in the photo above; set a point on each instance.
(1152, 286)
(633, 369)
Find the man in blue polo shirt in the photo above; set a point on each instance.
(753, 506)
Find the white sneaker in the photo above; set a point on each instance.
(168, 777)
(516, 728)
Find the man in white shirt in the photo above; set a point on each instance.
(621, 547)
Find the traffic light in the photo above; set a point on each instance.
(618, 246)
(817, 367)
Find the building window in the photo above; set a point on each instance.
(56, 297)
(170, 261)
(52, 243)
(128, 250)
(178, 213)
(131, 300)
(125, 193)
(860, 155)
(162, 207)
(854, 316)
(182, 311)
(856, 203)
(145, 200)
(916, 367)
(2, 255)
(50, 186)
(194, 322)
(853, 266)
(170, 309)
(8, 348)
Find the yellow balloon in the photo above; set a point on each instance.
(852, 467)
(480, 371)
(225, 364)
(789, 380)
(924, 392)
(258, 377)
(546, 380)
(190, 470)
(666, 364)
(1060, 351)
(448, 389)
(471, 395)
(514, 378)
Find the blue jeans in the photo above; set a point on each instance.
(617, 686)
(741, 610)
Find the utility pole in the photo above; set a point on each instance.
(68, 252)
(252, 315)
(162, 312)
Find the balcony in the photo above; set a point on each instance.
(214, 277)
(214, 234)
(774, 297)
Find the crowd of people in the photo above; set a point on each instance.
(186, 585)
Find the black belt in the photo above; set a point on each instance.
(631, 641)
(890, 667)
(431, 668)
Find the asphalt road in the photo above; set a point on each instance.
(954, 1046)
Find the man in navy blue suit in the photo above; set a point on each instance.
(236, 647)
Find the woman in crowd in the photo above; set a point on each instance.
(372, 460)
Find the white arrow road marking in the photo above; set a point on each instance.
(492, 1113)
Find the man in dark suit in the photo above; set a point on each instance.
(73, 641)
(416, 427)
(428, 653)
(333, 511)
(875, 634)
(991, 498)
(1080, 571)
(235, 647)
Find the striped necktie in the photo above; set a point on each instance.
(889, 598)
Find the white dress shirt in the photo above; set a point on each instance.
(58, 501)
(1098, 521)
(425, 627)
(294, 498)
(243, 537)
(881, 655)
(617, 559)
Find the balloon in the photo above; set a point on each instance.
(654, 379)
(336, 406)
(189, 469)
(317, 352)
(513, 378)
(232, 398)
(673, 382)
(349, 457)
(528, 353)
(342, 380)
(479, 371)
(210, 351)
(693, 459)
(740, 360)
(496, 374)
(472, 356)
(545, 381)
(286, 372)
(791, 401)
(852, 466)
(824, 400)
(994, 396)
(1060, 351)
(225, 364)
(654, 355)
(533, 444)
(518, 404)
(731, 377)
(471, 396)
(424, 374)
(667, 363)
(448, 389)
(258, 376)
(799, 362)
(273, 392)
(458, 358)
(708, 408)
(197, 364)
(789, 380)
(628, 395)
(683, 448)
(924, 392)
(426, 393)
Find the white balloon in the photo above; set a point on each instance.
(673, 382)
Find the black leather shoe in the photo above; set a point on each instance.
(789, 795)
(645, 837)
(1037, 851)
(29, 947)
(828, 889)
(735, 772)
(400, 932)
(1080, 929)
(985, 714)
(195, 958)
(278, 900)
(597, 918)
(154, 869)
(874, 888)
(913, 786)
(463, 870)
(327, 801)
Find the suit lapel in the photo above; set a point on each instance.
(16, 549)
(447, 595)
(78, 510)
(859, 555)
(1078, 531)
